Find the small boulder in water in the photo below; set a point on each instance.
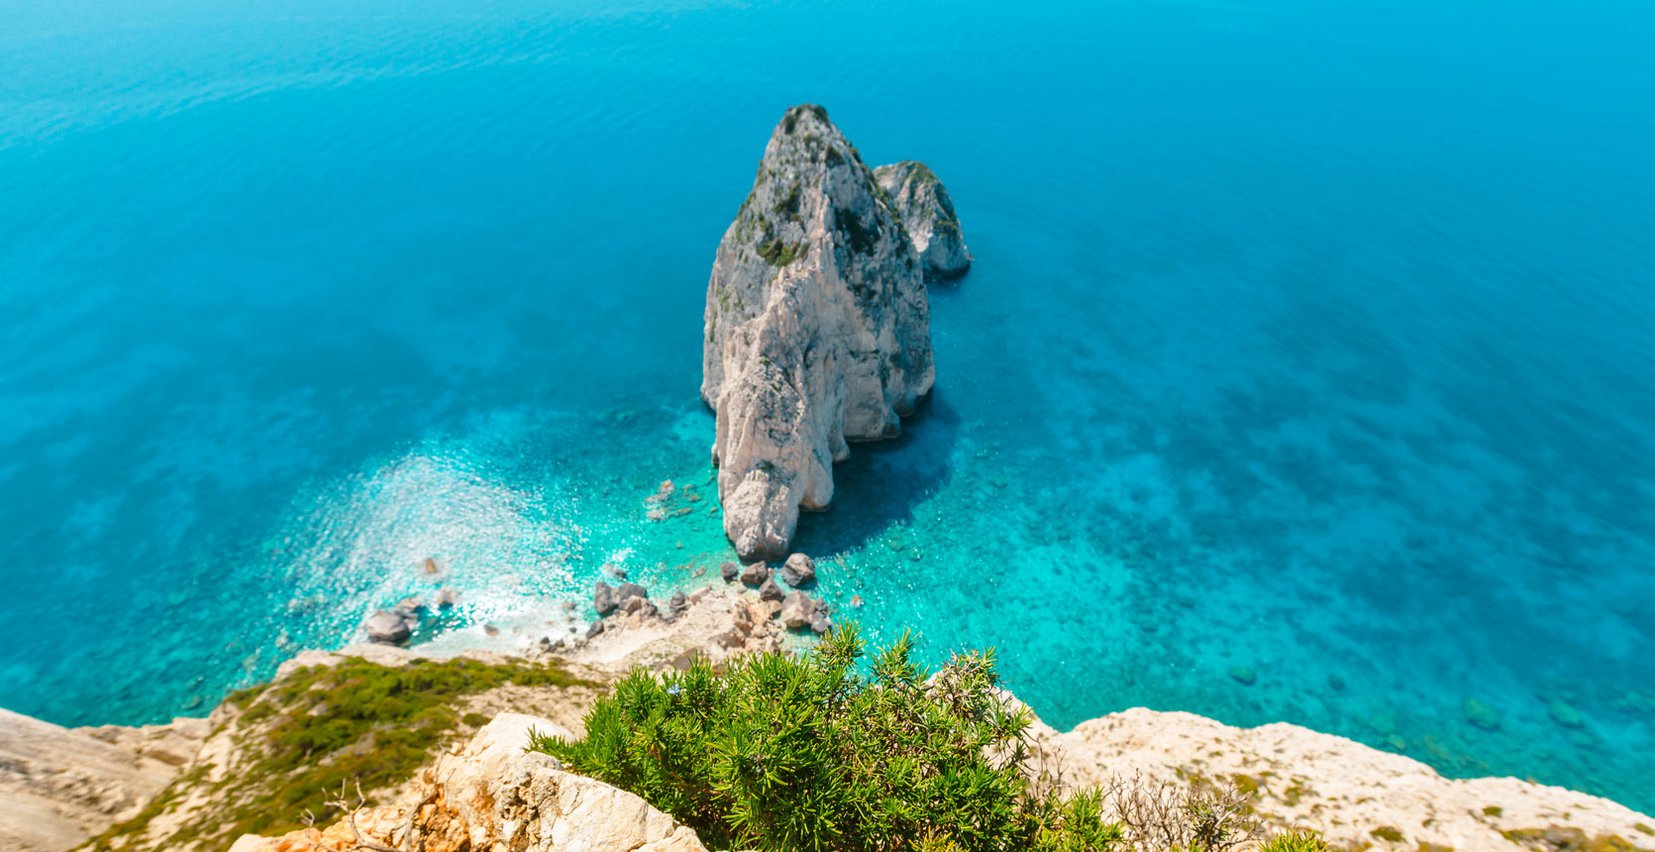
(729, 571)
(389, 627)
(769, 591)
(798, 611)
(603, 598)
(755, 574)
(800, 570)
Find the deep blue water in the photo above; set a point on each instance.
(1313, 338)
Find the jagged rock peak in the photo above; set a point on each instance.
(817, 330)
(927, 216)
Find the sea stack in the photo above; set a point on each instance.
(817, 330)
(927, 215)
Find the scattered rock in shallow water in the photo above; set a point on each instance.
(389, 627)
(630, 590)
(856, 601)
(679, 603)
(798, 611)
(1244, 675)
(594, 629)
(769, 591)
(729, 571)
(1565, 715)
(700, 571)
(1336, 683)
(603, 598)
(756, 573)
(927, 217)
(1481, 715)
(446, 598)
(820, 625)
(799, 570)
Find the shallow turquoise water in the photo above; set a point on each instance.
(1308, 338)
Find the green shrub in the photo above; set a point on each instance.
(1388, 833)
(1295, 841)
(779, 752)
(778, 253)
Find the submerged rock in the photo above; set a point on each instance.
(817, 331)
(927, 217)
(1481, 715)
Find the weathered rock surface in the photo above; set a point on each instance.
(755, 573)
(799, 570)
(1340, 787)
(493, 795)
(817, 331)
(798, 611)
(927, 216)
(59, 786)
(390, 626)
(603, 598)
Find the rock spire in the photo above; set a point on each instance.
(817, 329)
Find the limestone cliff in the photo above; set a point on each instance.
(817, 331)
(494, 795)
(482, 792)
(928, 217)
(60, 785)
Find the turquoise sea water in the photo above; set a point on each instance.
(1308, 338)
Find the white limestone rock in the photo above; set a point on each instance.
(494, 796)
(817, 331)
(928, 217)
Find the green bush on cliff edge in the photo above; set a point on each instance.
(778, 752)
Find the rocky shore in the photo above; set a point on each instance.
(62, 786)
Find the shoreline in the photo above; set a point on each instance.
(1354, 793)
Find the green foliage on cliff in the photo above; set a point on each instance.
(1295, 841)
(778, 253)
(790, 753)
(317, 731)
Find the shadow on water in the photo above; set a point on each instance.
(881, 483)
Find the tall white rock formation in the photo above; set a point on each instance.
(817, 330)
